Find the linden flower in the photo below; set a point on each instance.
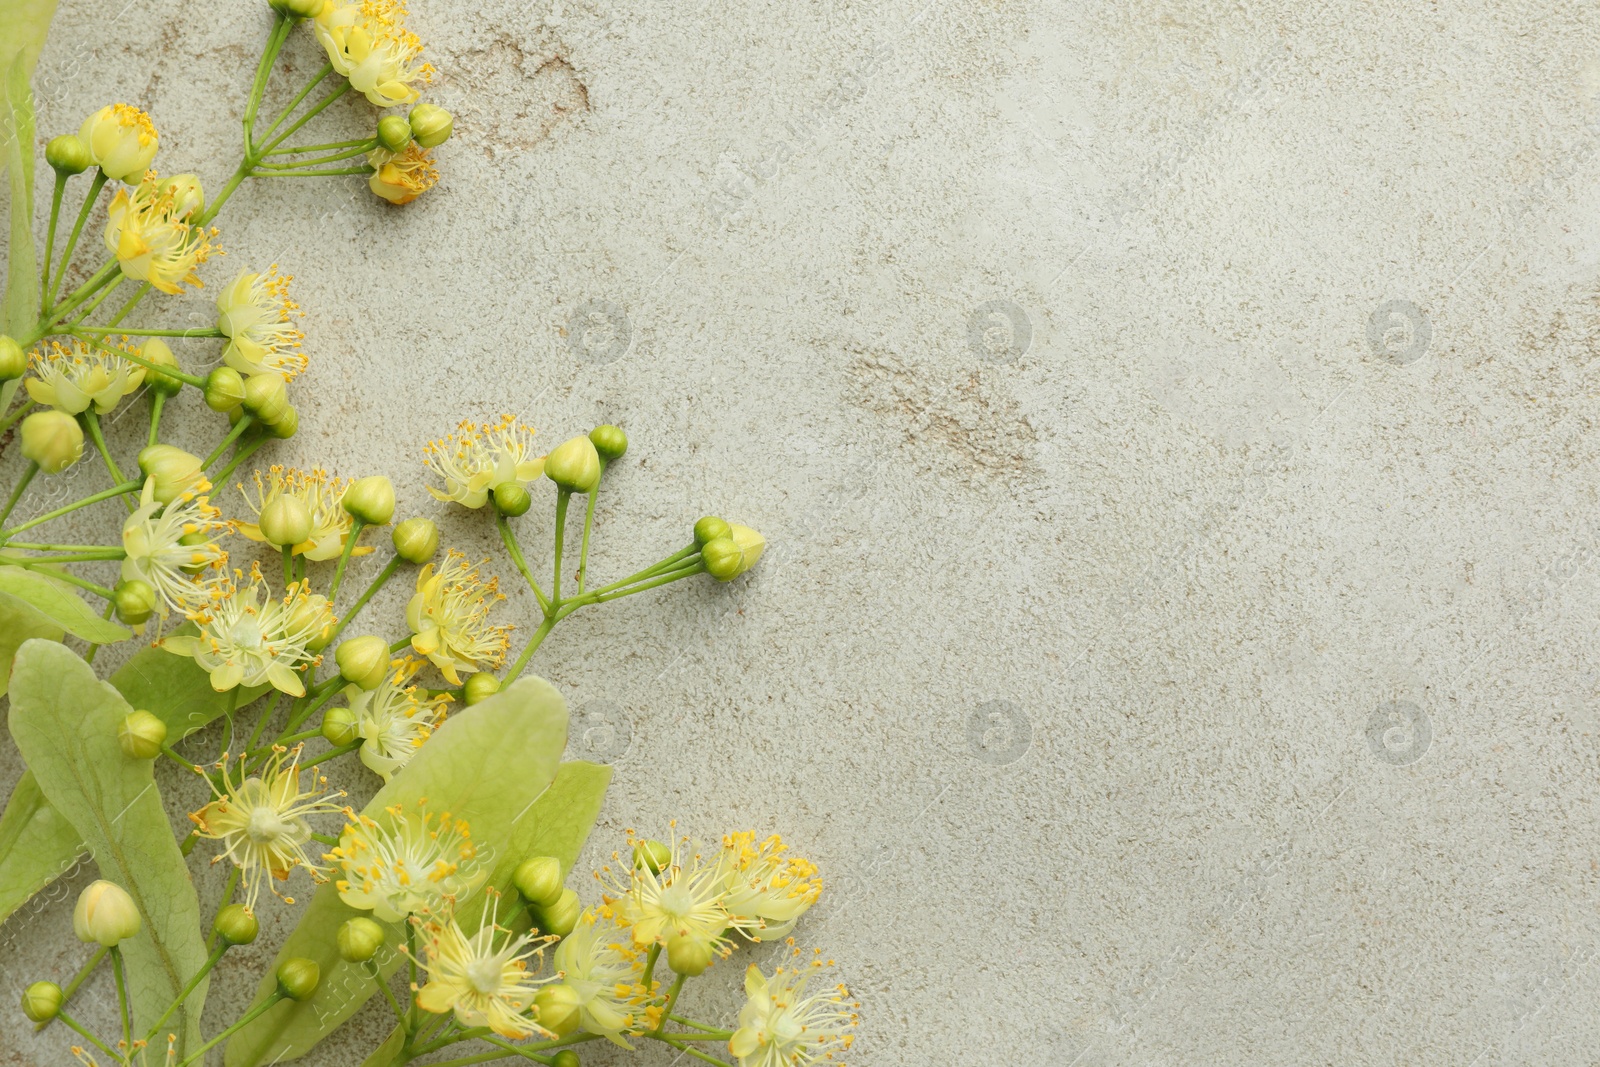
(169, 547)
(255, 313)
(393, 721)
(152, 241)
(475, 460)
(415, 865)
(121, 140)
(685, 900)
(483, 984)
(601, 965)
(367, 42)
(248, 637)
(401, 177)
(262, 821)
(75, 376)
(448, 618)
(331, 524)
(766, 892)
(779, 1026)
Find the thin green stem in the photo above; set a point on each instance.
(76, 1025)
(588, 524)
(515, 551)
(648, 978)
(249, 1017)
(122, 312)
(199, 976)
(660, 566)
(11, 419)
(89, 653)
(244, 423)
(710, 1030)
(500, 1042)
(288, 565)
(563, 498)
(109, 273)
(691, 1050)
(16, 494)
(534, 642)
(411, 962)
(377, 584)
(98, 183)
(348, 153)
(50, 242)
(198, 331)
(227, 190)
(316, 109)
(240, 454)
(104, 494)
(344, 558)
(170, 753)
(327, 69)
(332, 146)
(158, 399)
(269, 56)
(377, 976)
(328, 755)
(124, 1009)
(91, 422)
(81, 557)
(686, 571)
(92, 306)
(672, 999)
(70, 579)
(77, 980)
(39, 546)
(136, 358)
(311, 173)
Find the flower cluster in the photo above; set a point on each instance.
(367, 42)
(448, 616)
(76, 376)
(249, 637)
(415, 862)
(171, 547)
(256, 314)
(314, 494)
(150, 234)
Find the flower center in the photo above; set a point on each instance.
(265, 824)
(483, 975)
(246, 633)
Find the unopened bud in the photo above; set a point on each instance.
(560, 918)
(135, 601)
(339, 726)
(370, 499)
(158, 352)
(224, 389)
(359, 940)
(512, 499)
(42, 1001)
(285, 425)
(236, 924)
(723, 559)
(416, 540)
(565, 1058)
(13, 360)
(298, 978)
(188, 198)
(314, 615)
(297, 9)
(480, 687)
(192, 540)
(688, 956)
(431, 125)
(574, 465)
(710, 528)
(141, 735)
(394, 133)
(67, 154)
(266, 396)
(174, 470)
(105, 913)
(609, 441)
(653, 856)
(751, 544)
(558, 1008)
(52, 439)
(285, 521)
(363, 660)
(539, 880)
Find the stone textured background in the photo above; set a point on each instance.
(1170, 424)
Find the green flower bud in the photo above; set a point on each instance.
(285, 521)
(709, 529)
(297, 9)
(67, 154)
(190, 540)
(609, 441)
(42, 1001)
(363, 660)
(512, 499)
(237, 925)
(298, 978)
(558, 1008)
(188, 198)
(723, 558)
(394, 133)
(431, 125)
(266, 396)
(141, 735)
(13, 360)
(370, 499)
(339, 726)
(135, 601)
(416, 540)
(560, 918)
(53, 440)
(751, 544)
(285, 425)
(359, 939)
(158, 352)
(105, 913)
(688, 956)
(574, 465)
(174, 470)
(480, 687)
(224, 389)
(309, 611)
(539, 880)
(565, 1058)
(652, 855)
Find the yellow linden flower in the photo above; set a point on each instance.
(401, 177)
(248, 637)
(484, 984)
(766, 891)
(415, 863)
(448, 617)
(600, 963)
(121, 140)
(779, 1026)
(393, 720)
(151, 239)
(261, 821)
(331, 524)
(75, 376)
(685, 899)
(255, 313)
(367, 42)
(475, 460)
(169, 546)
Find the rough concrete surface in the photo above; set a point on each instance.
(1169, 421)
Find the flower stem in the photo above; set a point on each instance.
(91, 422)
(349, 153)
(711, 1031)
(300, 150)
(134, 357)
(124, 1011)
(377, 584)
(588, 524)
(533, 644)
(344, 87)
(205, 969)
(77, 980)
(651, 571)
(157, 401)
(16, 494)
(377, 976)
(95, 186)
(563, 498)
(122, 312)
(104, 494)
(344, 557)
(258, 88)
(76, 1025)
(240, 454)
(198, 331)
(70, 579)
(249, 1017)
(328, 755)
(311, 173)
(515, 551)
(50, 242)
(672, 998)
(327, 69)
(11, 419)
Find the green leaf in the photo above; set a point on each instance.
(495, 765)
(23, 25)
(65, 722)
(60, 604)
(384, 1054)
(37, 843)
(176, 690)
(21, 622)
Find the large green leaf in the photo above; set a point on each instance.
(23, 25)
(37, 845)
(21, 622)
(492, 765)
(65, 722)
(59, 603)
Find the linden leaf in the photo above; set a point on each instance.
(21, 622)
(37, 845)
(58, 603)
(65, 721)
(496, 765)
(23, 25)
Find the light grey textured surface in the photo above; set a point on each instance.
(1211, 682)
